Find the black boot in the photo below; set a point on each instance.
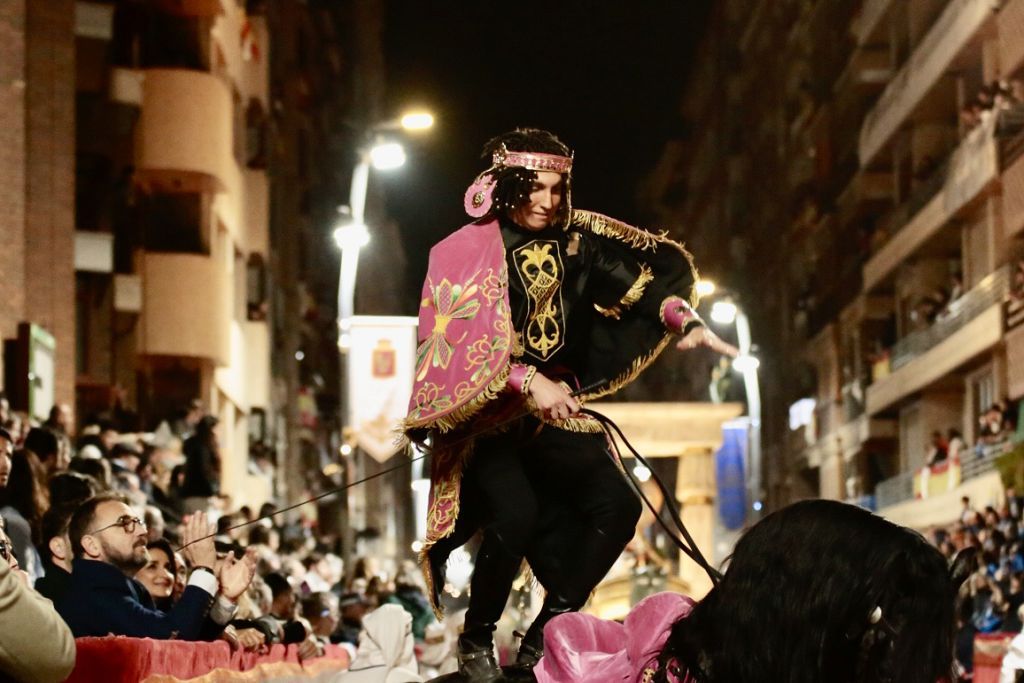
(496, 568)
(477, 664)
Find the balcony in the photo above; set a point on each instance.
(1010, 21)
(186, 307)
(973, 325)
(913, 500)
(954, 30)
(971, 169)
(184, 133)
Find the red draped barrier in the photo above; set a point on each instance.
(116, 658)
(989, 649)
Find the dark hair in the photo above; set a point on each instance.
(514, 184)
(259, 534)
(82, 519)
(96, 468)
(314, 604)
(43, 442)
(4, 434)
(71, 488)
(277, 584)
(54, 524)
(795, 605)
(165, 545)
(24, 491)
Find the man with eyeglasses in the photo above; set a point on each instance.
(109, 543)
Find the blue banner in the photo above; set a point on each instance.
(730, 475)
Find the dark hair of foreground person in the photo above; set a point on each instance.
(822, 591)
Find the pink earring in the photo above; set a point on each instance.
(479, 197)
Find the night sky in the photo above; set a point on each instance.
(606, 77)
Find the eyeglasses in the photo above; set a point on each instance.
(126, 522)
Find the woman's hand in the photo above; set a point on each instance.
(702, 336)
(554, 400)
(235, 575)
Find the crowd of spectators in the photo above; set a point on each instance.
(129, 535)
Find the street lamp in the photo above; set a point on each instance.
(726, 312)
(382, 155)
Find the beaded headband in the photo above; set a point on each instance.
(534, 161)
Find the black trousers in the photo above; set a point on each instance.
(551, 496)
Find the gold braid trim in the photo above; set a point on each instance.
(634, 237)
(639, 365)
(428, 576)
(447, 423)
(634, 293)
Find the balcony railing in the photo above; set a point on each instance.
(990, 291)
(895, 490)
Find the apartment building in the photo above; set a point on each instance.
(854, 180)
(171, 219)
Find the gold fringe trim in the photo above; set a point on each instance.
(424, 562)
(454, 419)
(636, 238)
(639, 365)
(579, 425)
(634, 293)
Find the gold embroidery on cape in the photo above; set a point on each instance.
(541, 275)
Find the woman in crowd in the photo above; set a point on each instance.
(819, 591)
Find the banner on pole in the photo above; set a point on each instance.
(730, 477)
(380, 377)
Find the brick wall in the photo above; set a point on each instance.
(12, 165)
(37, 128)
(50, 180)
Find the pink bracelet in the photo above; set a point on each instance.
(676, 314)
(520, 376)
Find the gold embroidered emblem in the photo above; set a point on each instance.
(541, 273)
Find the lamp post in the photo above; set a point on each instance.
(726, 312)
(351, 236)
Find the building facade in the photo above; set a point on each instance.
(851, 174)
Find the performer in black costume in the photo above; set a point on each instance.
(528, 304)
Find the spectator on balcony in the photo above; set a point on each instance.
(938, 451)
(202, 466)
(990, 426)
(955, 444)
(109, 543)
(35, 643)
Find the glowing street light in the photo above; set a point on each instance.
(352, 236)
(417, 121)
(746, 363)
(387, 156)
(723, 312)
(705, 288)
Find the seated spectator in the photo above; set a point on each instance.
(109, 544)
(47, 447)
(22, 503)
(35, 643)
(386, 651)
(57, 553)
(159, 573)
(68, 489)
(97, 468)
(353, 608)
(321, 611)
(282, 609)
(1013, 598)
